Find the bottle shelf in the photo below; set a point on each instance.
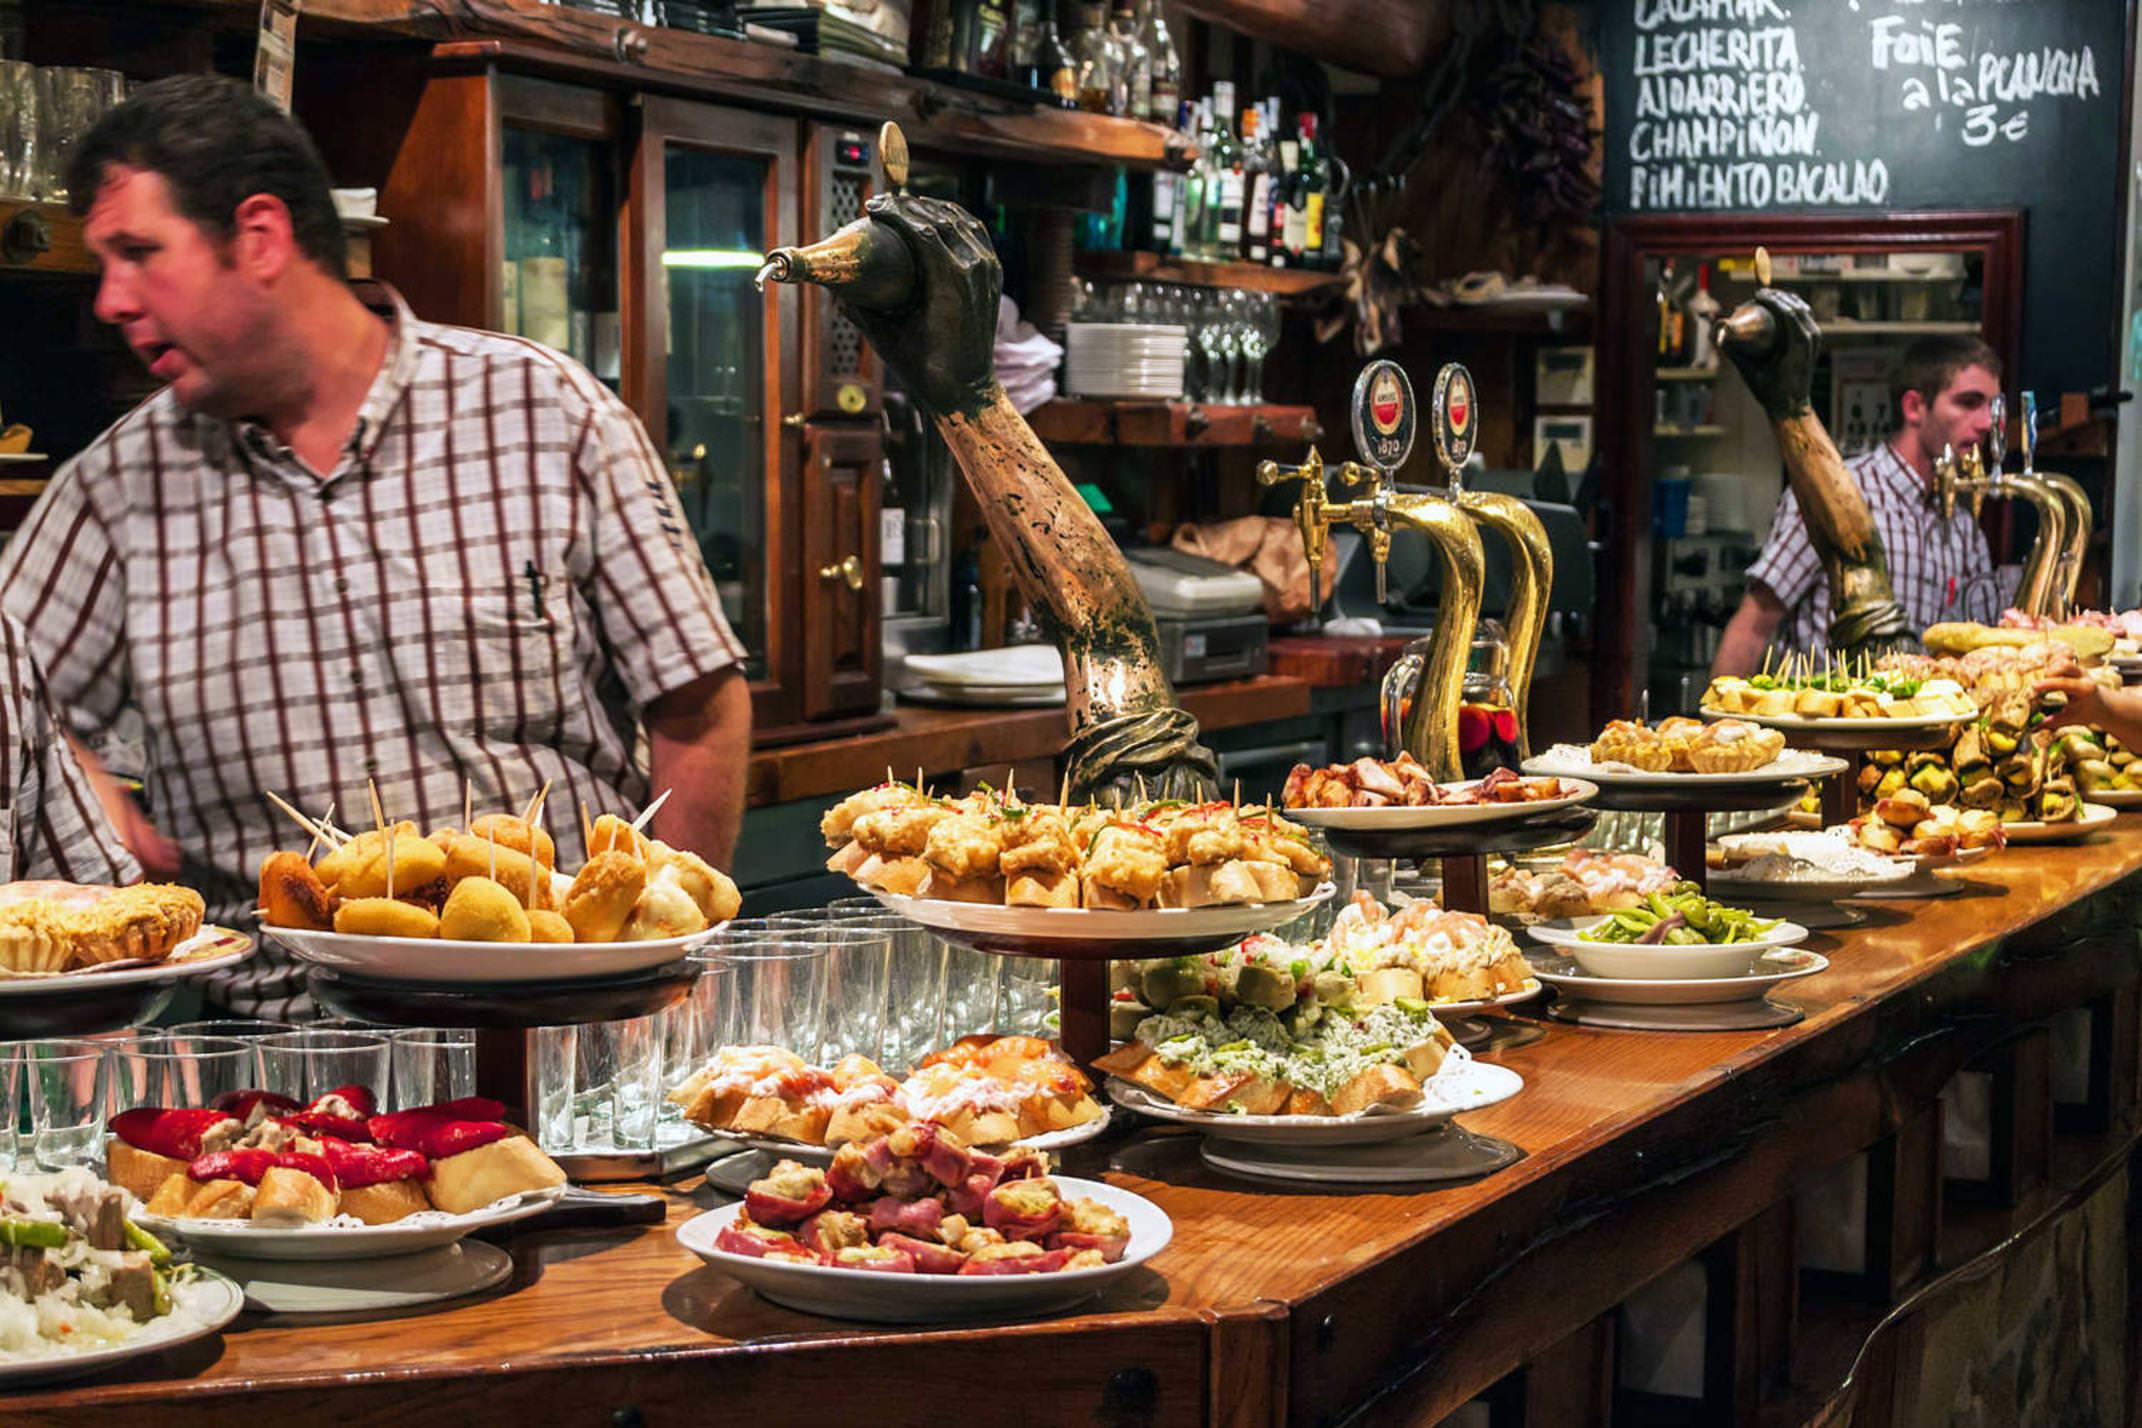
(42, 238)
(1087, 421)
(1156, 268)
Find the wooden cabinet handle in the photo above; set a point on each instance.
(848, 569)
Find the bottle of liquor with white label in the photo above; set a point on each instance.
(1223, 238)
(1166, 65)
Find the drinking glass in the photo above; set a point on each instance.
(972, 982)
(692, 1033)
(556, 1053)
(1026, 996)
(431, 1064)
(915, 1025)
(245, 1028)
(182, 1071)
(68, 1080)
(307, 1064)
(1212, 338)
(69, 103)
(777, 992)
(1262, 336)
(617, 1083)
(21, 128)
(858, 964)
(10, 1104)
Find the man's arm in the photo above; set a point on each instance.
(1749, 632)
(699, 741)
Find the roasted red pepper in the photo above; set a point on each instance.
(176, 1133)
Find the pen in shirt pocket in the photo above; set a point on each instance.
(535, 588)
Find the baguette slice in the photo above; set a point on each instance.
(1042, 889)
(987, 890)
(184, 1198)
(476, 1178)
(904, 876)
(142, 1172)
(386, 1202)
(1094, 895)
(1210, 885)
(288, 1196)
(1377, 1086)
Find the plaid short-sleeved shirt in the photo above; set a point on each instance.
(1938, 569)
(52, 824)
(489, 586)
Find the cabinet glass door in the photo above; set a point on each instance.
(559, 281)
(714, 370)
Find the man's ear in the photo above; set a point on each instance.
(263, 244)
(1911, 408)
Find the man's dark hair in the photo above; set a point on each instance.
(1931, 363)
(216, 143)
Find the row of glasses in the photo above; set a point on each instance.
(1231, 331)
(74, 1085)
(44, 112)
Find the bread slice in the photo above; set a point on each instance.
(1276, 881)
(288, 1196)
(772, 1116)
(978, 1126)
(864, 1121)
(1094, 895)
(184, 1198)
(849, 858)
(476, 1178)
(143, 1172)
(903, 876)
(1377, 1086)
(1040, 888)
(1210, 885)
(988, 890)
(386, 1202)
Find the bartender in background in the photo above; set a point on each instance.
(345, 545)
(1938, 569)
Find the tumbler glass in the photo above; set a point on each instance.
(70, 101)
(777, 993)
(307, 1064)
(431, 1064)
(617, 1083)
(858, 966)
(21, 128)
(11, 1142)
(179, 1071)
(68, 1080)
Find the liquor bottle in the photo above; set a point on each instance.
(1283, 183)
(1097, 59)
(1026, 35)
(1054, 72)
(1190, 195)
(1166, 66)
(984, 39)
(1135, 76)
(1702, 315)
(1257, 169)
(1334, 247)
(1223, 236)
(1309, 199)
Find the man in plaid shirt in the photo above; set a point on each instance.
(1939, 569)
(345, 546)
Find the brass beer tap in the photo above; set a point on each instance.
(2080, 517)
(2054, 564)
(1386, 397)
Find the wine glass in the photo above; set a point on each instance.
(1266, 323)
(1211, 334)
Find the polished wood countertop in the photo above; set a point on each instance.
(1272, 1303)
(941, 740)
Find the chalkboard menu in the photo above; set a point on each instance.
(1749, 105)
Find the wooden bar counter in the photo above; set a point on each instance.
(1644, 1150)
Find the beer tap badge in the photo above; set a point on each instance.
(1456, 417)
(1997, 433)
(1383, 415)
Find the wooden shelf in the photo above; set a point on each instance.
(1152, 267)
(538, 37)
(1688, 431)
(1688, 374)
(1086, 422)
(1853, 327)
(23, 485)
(42, 238)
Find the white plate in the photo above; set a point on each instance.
(418, 959)
(935, 1298)
(2115, 797)
(2093, 817)
(1444, 815)
(1087, 924)
(1722, 882)
(965, 698)
(1862, 726)
(1783, 965)
(209, 1300)
(1660, 961)
(366, 1286)
(12, 458)
(1573, 761)
(209, 950)
(1531, 989)
(428, 1229)
(1451, 1153)
(1035, 666)
(1460, 1085)
(808, 1154)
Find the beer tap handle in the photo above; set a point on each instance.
(1997, 434)
(1353, 473)
(1379, 544)
(1945, 481)
(1311, 511)
(2027, 433)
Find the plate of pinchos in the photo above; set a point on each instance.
(1370, 795)
(1681, 753)
(484, 902)
(89, 1287)
(916, 1228)
(2088, 819)
(1769, 969)
(1830, 694)
(54, 935)
(989, 1091)
(1798, 866)
(257, 1176)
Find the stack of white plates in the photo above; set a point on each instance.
(1124, 359)
(1015, 676)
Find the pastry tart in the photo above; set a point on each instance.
(1730, 746)
(57, 927)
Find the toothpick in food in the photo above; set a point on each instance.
(647, 814)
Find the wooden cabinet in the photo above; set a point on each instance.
(626, 229)
(841, 499)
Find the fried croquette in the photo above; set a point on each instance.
(480, 910)
(384, 917)
(612, 834)
(547, 926)
(292, 895)
(516, 833)
(417, 861)
(707, 885)
(663, 910)
(603, 895)
(471, 857)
